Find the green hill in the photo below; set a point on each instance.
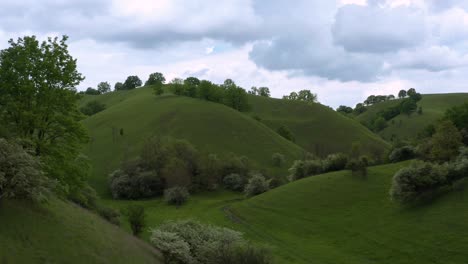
(408, 127)
(338, 218)
(211, 127)
(316, 128)
(61, 232)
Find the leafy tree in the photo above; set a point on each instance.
(229, 83)
(286, 133)
(458, 115)
(158, 90)
(408, 107)
(172, 246)
(402, 153)
(38, 103)
(304, 168)
(307, 96)
(131, 82)
(446, 141)
(136, 217)
(177, 86)
(256, 185)
(92, 91)
(92, 107)
(176, 195)
(264, 91)
(236, 97)
(411, 92)
(208, 91)
(21, 176)
(402, 94)
(156, 78)
(291, 96)
(103, 87)
(118, 86)
(379, 124)
(234, 182)
(253, 91)
(390, 97)
(344, 109)
(191, 86)
(359, 109)
(335, 162)
(278, 159)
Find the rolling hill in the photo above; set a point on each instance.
(407, 127)
(61, 232)
(211, 127)
(338, 218)
(316, 128)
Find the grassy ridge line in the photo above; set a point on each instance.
(338, 218)
(61, 232)
(316, 128)
(211, 127)
(408, 127)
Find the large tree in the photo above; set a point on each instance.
(132, 82)
(38, 104)
(103, 87)
(156, 78)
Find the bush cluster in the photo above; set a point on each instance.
(304, 168)
(176, 195)
(189, 241)
(92, 108)
(402, 154)
(256, 185)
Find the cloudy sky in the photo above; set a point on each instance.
(342, 50)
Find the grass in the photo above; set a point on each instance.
(317, 128)
(60, 232)
(211, 127)
(408, 127)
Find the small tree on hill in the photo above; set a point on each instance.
(156, 78)
(136, 217)
(176, 195)
(132, 82)
(402, 94)
(118, 86)
(286, 133)
(257, 184)
(446, 141)
(264, 91)
(104, 87)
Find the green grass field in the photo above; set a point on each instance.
(60, 232)
(334, 218)
(408, 127)
(317, 128)
(211, 127)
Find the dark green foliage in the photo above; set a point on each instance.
(359, 109)
(234, 182)
(118, 86)
(358, 166)
(157, 79)
(418, 179)
(177, 86)
(305, 168)
(408, 107)
(38, 100)
(236, 97)
(303, 95)
(85, 197)
(92, 107)
(344, 109)
(20, 174)
(335, 162)
(176, 195)
(278, 159)
(210, 92)
(257, 184)
(109, 214)
(135, 181)
(264, 91)
(458, 115)
(402, 94)
(136, 217)
(402, 153)
(131, 82)
(445, 142)
(103, 87)
(286, 133)
(375, 99)
(92, 91)
(379, 124)
(191, 86)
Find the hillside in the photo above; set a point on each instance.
(211, 127)
(338, 218)
(316, 128)
(408, 127)
(64, 233)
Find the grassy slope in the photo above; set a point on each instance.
(338, 218)
(212, 128)
(316, 128)
(404, 127)
(64, 233)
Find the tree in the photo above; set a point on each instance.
(411, 92)
(176, 195)
(408, 106)
(264, 91)
(278, 159)
(307, 96)
(131, 82)
(256, 185)
(458, 115)
(286, 133)
(379, 124)
(92, 91)
(236, 97)
(390, 97)
(92, 107)
(172, 246)
(21, 176)
(156, 78)
(103, 87)
(253, 91)
(445, 142)
(229, 83)
(191, 86)
(177, 86)
(234, 182)
(344, 109)
(38, 103)
(291, 96)
(359, 109)
(402, 94)
(118, 86)
(136, 217)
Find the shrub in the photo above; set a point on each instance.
(135, 183)
(110, 214)
(176, 195)
(21, 176)
(92, 108)
(136, 217)
(256, 185)
(445, 142)
(286, 133)
(401, 154)
(420, 178)
(335, 162)
(234, 182)
(304, 168)
(358, 166)
(172, 246)
(278, 159)
(248, 254)
(85, 197)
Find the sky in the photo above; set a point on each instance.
(343, 50)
